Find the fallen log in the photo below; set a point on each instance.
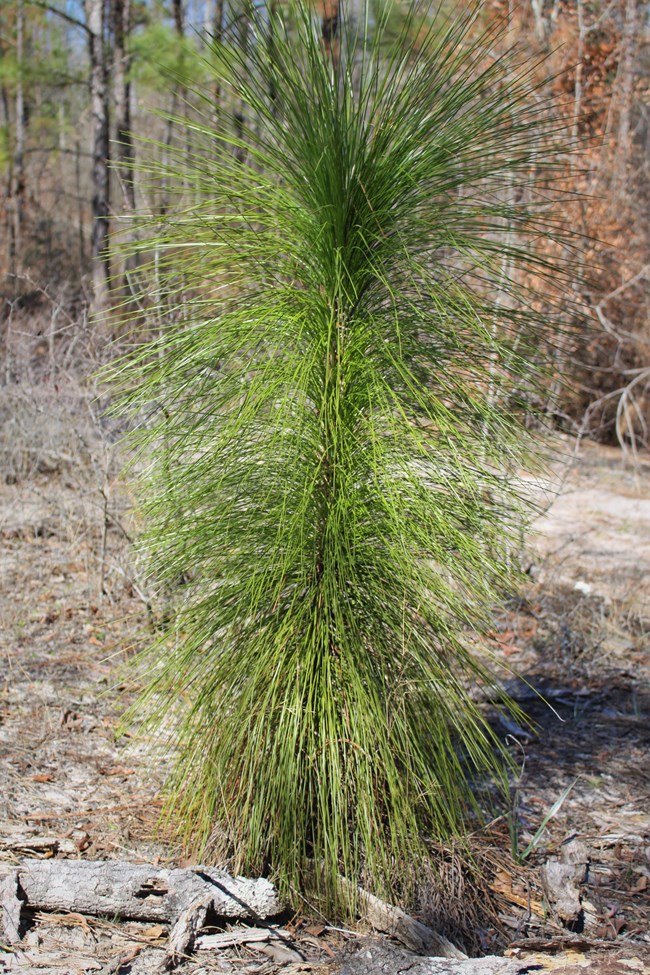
(138, 892)
(393, 921)
(398, 924)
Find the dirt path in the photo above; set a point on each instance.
(579, 634)
(597, 531)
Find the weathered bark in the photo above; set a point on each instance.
(101, 155)
(395, 922)
(10, 906)
(274, 942)
(135, 891)
(182, 938)
(26, 843)
(242, 936)
(562, 876)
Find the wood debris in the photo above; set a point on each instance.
(562, 877)
(241, 935)
(180, 897)
(404, 928)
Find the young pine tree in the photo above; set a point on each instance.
(328, 452)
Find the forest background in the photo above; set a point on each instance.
(79, 80)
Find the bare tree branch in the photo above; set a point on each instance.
(59, 13)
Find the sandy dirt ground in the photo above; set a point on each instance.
(597, 527)
(578, 634)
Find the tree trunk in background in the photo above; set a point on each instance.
(80, 208)
(628, 65)
(18, 181)
(177, 8)
(578, 82)
(180, 91)
(7, 189)
(95, 18)
(330, 28)
(217, 35)
(242, 40)
(537, 6)
(122, 90)
(121, 11)
(177, 90)
(273, 11)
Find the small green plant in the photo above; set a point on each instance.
(329, 449)
(520, 855)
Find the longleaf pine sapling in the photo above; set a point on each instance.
(326, 436)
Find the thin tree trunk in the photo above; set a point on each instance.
(18, 187)
(177, 91)
(628, 58)
(95, 16)
(577, 84)
(125, 148)
(179, 20)
(330, 24)
(122, 87)
(537, 7)
(10, 182)
(273, 10)
(217, 36)
(242, 34)
(80, 209)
